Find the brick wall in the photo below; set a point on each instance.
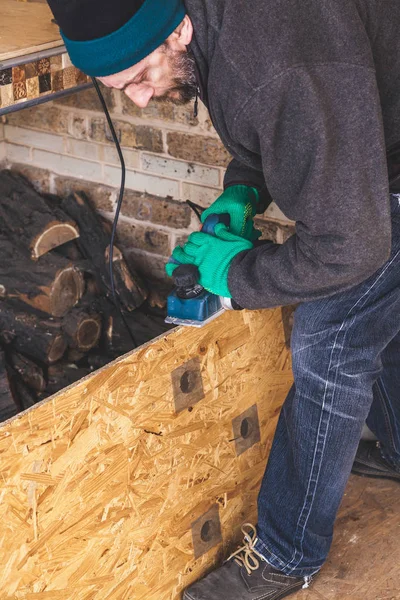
(171, 156)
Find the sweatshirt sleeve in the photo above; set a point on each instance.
(320, 134)
(238, 173)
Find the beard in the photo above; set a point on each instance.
(184, 83)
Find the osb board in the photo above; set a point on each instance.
(26, 28)
(106, 489)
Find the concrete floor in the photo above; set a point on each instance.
(364, 563)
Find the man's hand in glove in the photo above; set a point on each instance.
(240, 202)
(212, 254)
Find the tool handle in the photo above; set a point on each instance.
(213, 220)
(184, 276)
(187, 276)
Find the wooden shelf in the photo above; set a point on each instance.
(26, 28)
(34, 64)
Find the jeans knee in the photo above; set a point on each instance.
(328, 353)
(310, 331)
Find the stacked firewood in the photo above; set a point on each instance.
(58, 317)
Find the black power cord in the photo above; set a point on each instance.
(196, 208)
(118, 209)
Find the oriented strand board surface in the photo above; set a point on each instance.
(102, 484)
(26, 28)
(364, 563)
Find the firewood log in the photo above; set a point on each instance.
(29, 219)
(116, 338)
(51, 284)
(31, 374)
(8, 408)
(143, 324)
(24, 396)
(158, 295)
(82, 327)
(34, 333)
(61, 375)
(94, 243)
(92, 287)
(97, 361)
(75, 356)
(70, 251)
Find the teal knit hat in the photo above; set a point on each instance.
(99, 52)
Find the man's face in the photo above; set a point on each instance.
(168, 73)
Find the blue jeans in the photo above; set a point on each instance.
(346, 366)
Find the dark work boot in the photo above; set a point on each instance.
(369, 462)
(246, 576)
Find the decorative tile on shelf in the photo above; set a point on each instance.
(38, 80)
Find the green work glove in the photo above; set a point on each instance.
(212, 254)
(240, 202)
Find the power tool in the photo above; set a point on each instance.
(190, 304)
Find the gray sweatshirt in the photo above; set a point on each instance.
(305, 94)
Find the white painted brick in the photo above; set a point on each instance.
(273, 212)
(65, 61)
(116, 101)
(142, 182)
(131, 157)
(36, 139)
(82, 149)
(78, 126)
(199, 194)
(180, 169)
(15, 153)
(66, 165)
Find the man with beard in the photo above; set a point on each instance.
(306, 97)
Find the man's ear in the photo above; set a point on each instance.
(182, 36)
